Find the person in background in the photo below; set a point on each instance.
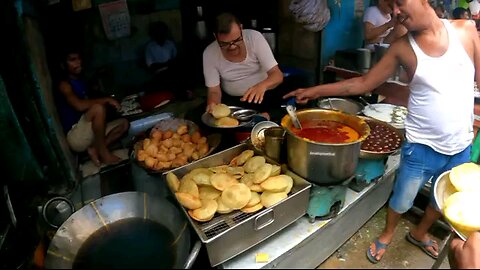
(84, 119)
(378, 24)
(460, 13)
(465, 254)
(440, 11)
(161, 60)
(439, 124)
(240, 69)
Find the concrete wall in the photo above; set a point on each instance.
(344, 31)
(124, 58)
(297, 47)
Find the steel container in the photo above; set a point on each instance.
(228, 235)
(324, 163)
(341, 104)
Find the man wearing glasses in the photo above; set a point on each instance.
(241, 63)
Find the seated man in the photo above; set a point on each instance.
(83, 119)
(161, 60)
(241, 63)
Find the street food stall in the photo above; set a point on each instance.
(304, 201)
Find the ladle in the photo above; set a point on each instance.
(368, 104)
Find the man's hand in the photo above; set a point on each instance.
(302, 95)
(255, 94)
(210, 106)
(114, 103)
(466, 255)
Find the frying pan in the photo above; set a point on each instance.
(78, 242)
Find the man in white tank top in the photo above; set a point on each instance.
(442, 61)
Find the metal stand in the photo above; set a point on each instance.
(443, 251)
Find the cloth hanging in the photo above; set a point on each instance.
(313, 14)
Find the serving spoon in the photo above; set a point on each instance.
(291, 111)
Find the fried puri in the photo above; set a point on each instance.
(209, 193)
(236, 196)
(270, 198)
(188, 200)
(221, 181)
(262, 173)
(205, 212)
(227, 122)
(173, 182)
(276, 183)
(220, 110)
(188, 186)
(253, 164)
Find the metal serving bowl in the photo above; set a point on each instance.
(442, 189)
(341, 104)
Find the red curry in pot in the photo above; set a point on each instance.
(326, 131)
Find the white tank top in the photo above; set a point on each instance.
(440, 106)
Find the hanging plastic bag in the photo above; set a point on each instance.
(313, 14)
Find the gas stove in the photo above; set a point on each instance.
(327, 201)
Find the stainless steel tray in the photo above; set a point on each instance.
(228, 235)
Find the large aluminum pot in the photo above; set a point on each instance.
(136, 230)
(324, 163)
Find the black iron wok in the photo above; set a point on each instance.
(123, 230)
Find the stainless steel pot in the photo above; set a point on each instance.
(136, 229)
(341, 104)
(324, 163)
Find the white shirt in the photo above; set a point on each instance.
(154, 53)
(374, 16)
(440, 106)
(236, 78)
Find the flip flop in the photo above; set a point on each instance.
(378, 246)
(422, 245)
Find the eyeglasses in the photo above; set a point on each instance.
(235, 42)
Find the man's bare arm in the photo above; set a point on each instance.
(82, 105)
(355, 86)
(371, 33)
(214, 96)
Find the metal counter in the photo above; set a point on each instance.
(307, 245)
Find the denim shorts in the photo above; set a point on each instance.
(418, 164)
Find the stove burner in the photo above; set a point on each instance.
(326, 202)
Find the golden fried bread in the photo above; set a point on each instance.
(236, 196)
(276, 183)
(188, 200)
(270, 198)
(461, 209)
(206, 212)
(220, 110)
(466, 177)
(173, 182)
(227, 122)
(208, 193)
(253, 164)
(188, 186)
(221, 181)
(254, 200)
(252, 209)
(262, 173)
(222, 208)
